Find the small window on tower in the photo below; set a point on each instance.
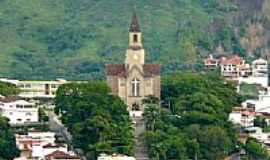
(135, 38)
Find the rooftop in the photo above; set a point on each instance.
(60, 155)
(120, 70)
(233, 60)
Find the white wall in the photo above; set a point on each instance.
(19, 115)
(263, 81)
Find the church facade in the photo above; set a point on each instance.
(134, 80)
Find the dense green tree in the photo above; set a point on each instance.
(8, 149)
(98, 121)
(260, 122)
(7, 89)
(193, 118)
(256, 150)
(43, 117)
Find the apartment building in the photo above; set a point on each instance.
(18, 111)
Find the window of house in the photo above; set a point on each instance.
(10, 113)
(28, 120)
(47, 89)
(28, 114)
(27, 86)
(135, 87)
(19, 119)
(19, 106)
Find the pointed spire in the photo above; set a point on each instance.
(134, 26)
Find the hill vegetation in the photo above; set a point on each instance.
(74, 39)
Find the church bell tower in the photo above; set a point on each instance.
(135, 52)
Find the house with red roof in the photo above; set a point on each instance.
(231, 67)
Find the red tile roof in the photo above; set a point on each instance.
(151, 70)
(234, 60)
(60, 155)
(120, 70)
(116, 70)
(210, 61)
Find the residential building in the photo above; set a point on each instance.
(245, 70)
(39, 150)
(36, 89)
(231, 66)
(134, 80)
(211, 63)
(259, 74)
(243, 117)
(18, 111)
(260, 105)
(260, 68)
(37, 145)
(39, 89)
(115, 157)
(29, 142)
(235, 68)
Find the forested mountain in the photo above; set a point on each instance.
(74, 39)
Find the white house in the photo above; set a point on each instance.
(242, 118)
(263, 81)
(260, 68)
(39, 89)
(114, 157)
(25, 142)
(231, 66)
(41, 151)
(41, 146)
(18, 111)
(262, 104)
(259, 74)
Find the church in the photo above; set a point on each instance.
(134, 80)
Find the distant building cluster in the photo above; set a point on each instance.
(236, 68)
(37, 145)
(245, 116)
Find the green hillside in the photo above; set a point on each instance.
(46, 39)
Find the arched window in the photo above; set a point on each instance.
(135, 38)
(135, 87)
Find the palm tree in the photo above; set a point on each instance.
(151, 112)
